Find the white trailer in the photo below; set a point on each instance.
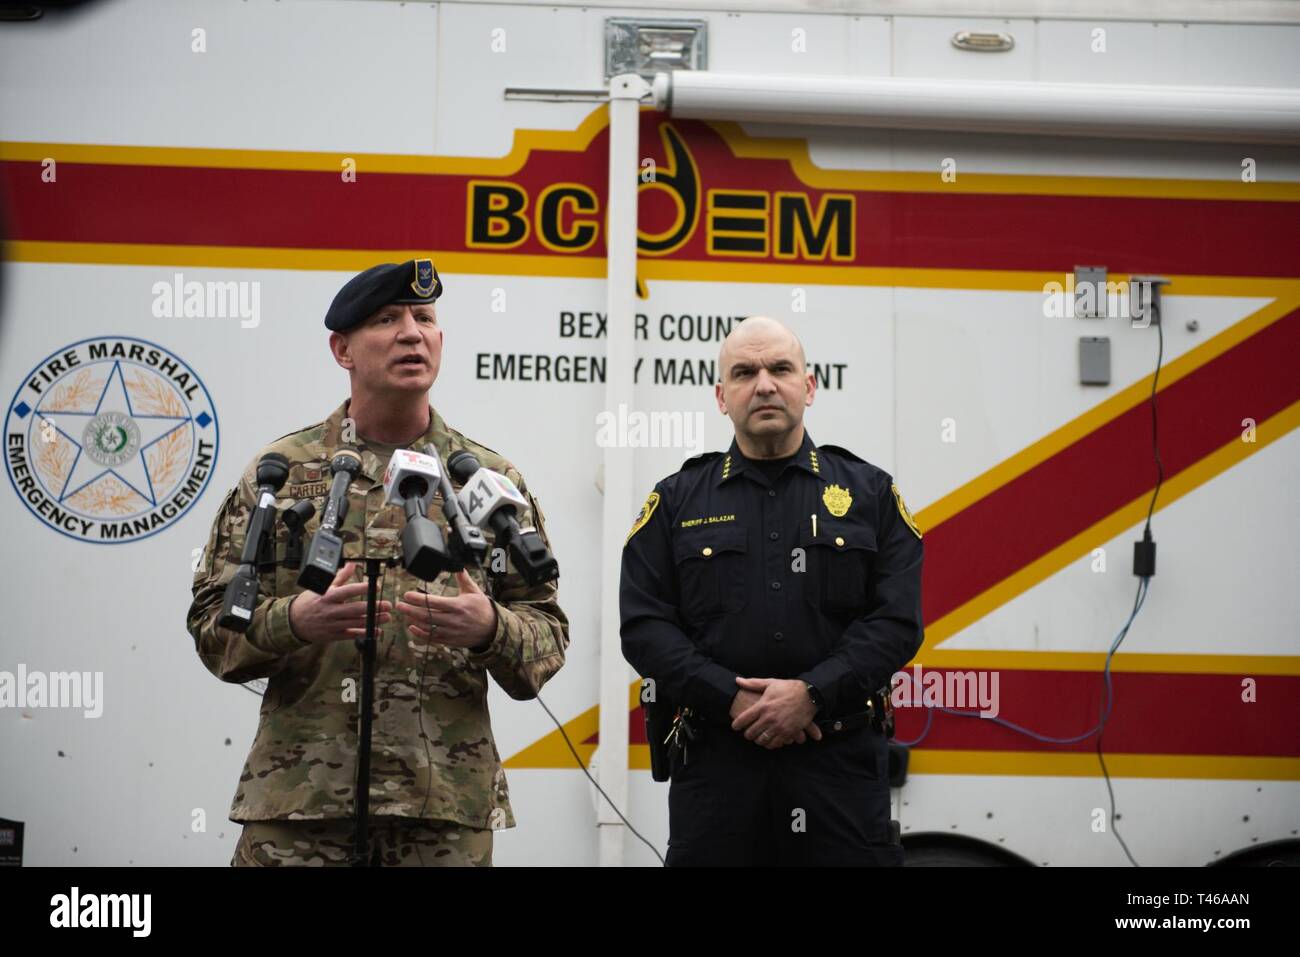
(964, 215)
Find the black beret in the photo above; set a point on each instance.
(414, 281)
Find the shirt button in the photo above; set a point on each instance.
(774, 536)
(707, 552)
(776, 586)
(778, 636)
(771, 493)
(839, 542)
(839, 725)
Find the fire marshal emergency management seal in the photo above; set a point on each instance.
(110, 440)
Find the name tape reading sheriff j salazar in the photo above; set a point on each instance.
(111, 439)
(669, 370)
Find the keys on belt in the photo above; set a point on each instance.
(680, 736)
(881, 709)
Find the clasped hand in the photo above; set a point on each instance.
(774, 712)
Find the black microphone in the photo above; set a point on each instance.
(295, 518)
(410, 481)
(471, 545)
(326, 551)
(241, 591)
(492, 501)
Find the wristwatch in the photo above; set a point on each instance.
(818, 701)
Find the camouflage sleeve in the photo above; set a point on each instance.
(261, 651)
(532, 632)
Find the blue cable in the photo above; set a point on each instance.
(1046, 739)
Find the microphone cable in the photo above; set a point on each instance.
(428, 757)
(572, 750)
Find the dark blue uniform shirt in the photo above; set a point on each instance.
(815, 575)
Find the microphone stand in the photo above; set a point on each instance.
(366, 646)
(461, 549)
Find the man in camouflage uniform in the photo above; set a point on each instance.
(437, 788)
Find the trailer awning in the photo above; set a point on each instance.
(1218, 114)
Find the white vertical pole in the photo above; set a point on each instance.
(625, 92)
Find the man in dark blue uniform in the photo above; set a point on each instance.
(768, 592)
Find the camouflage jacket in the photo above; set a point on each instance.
(434, 756)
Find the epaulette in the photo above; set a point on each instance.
(488, 457)
(466, 440)
(697, 460)
(305, 428)
(843, 452)
(874, 472)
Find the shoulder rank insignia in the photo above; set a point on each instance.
(837, 500)
(643, 516)
(902, 510)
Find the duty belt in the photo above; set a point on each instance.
(879, 715)
(671, 730)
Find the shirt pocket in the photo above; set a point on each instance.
(711, 564)
(840, 560)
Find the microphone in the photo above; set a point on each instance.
(326, 551)
(472, 546)
(409, 481)
(295, 518)
(241, 591)
(492, 501)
